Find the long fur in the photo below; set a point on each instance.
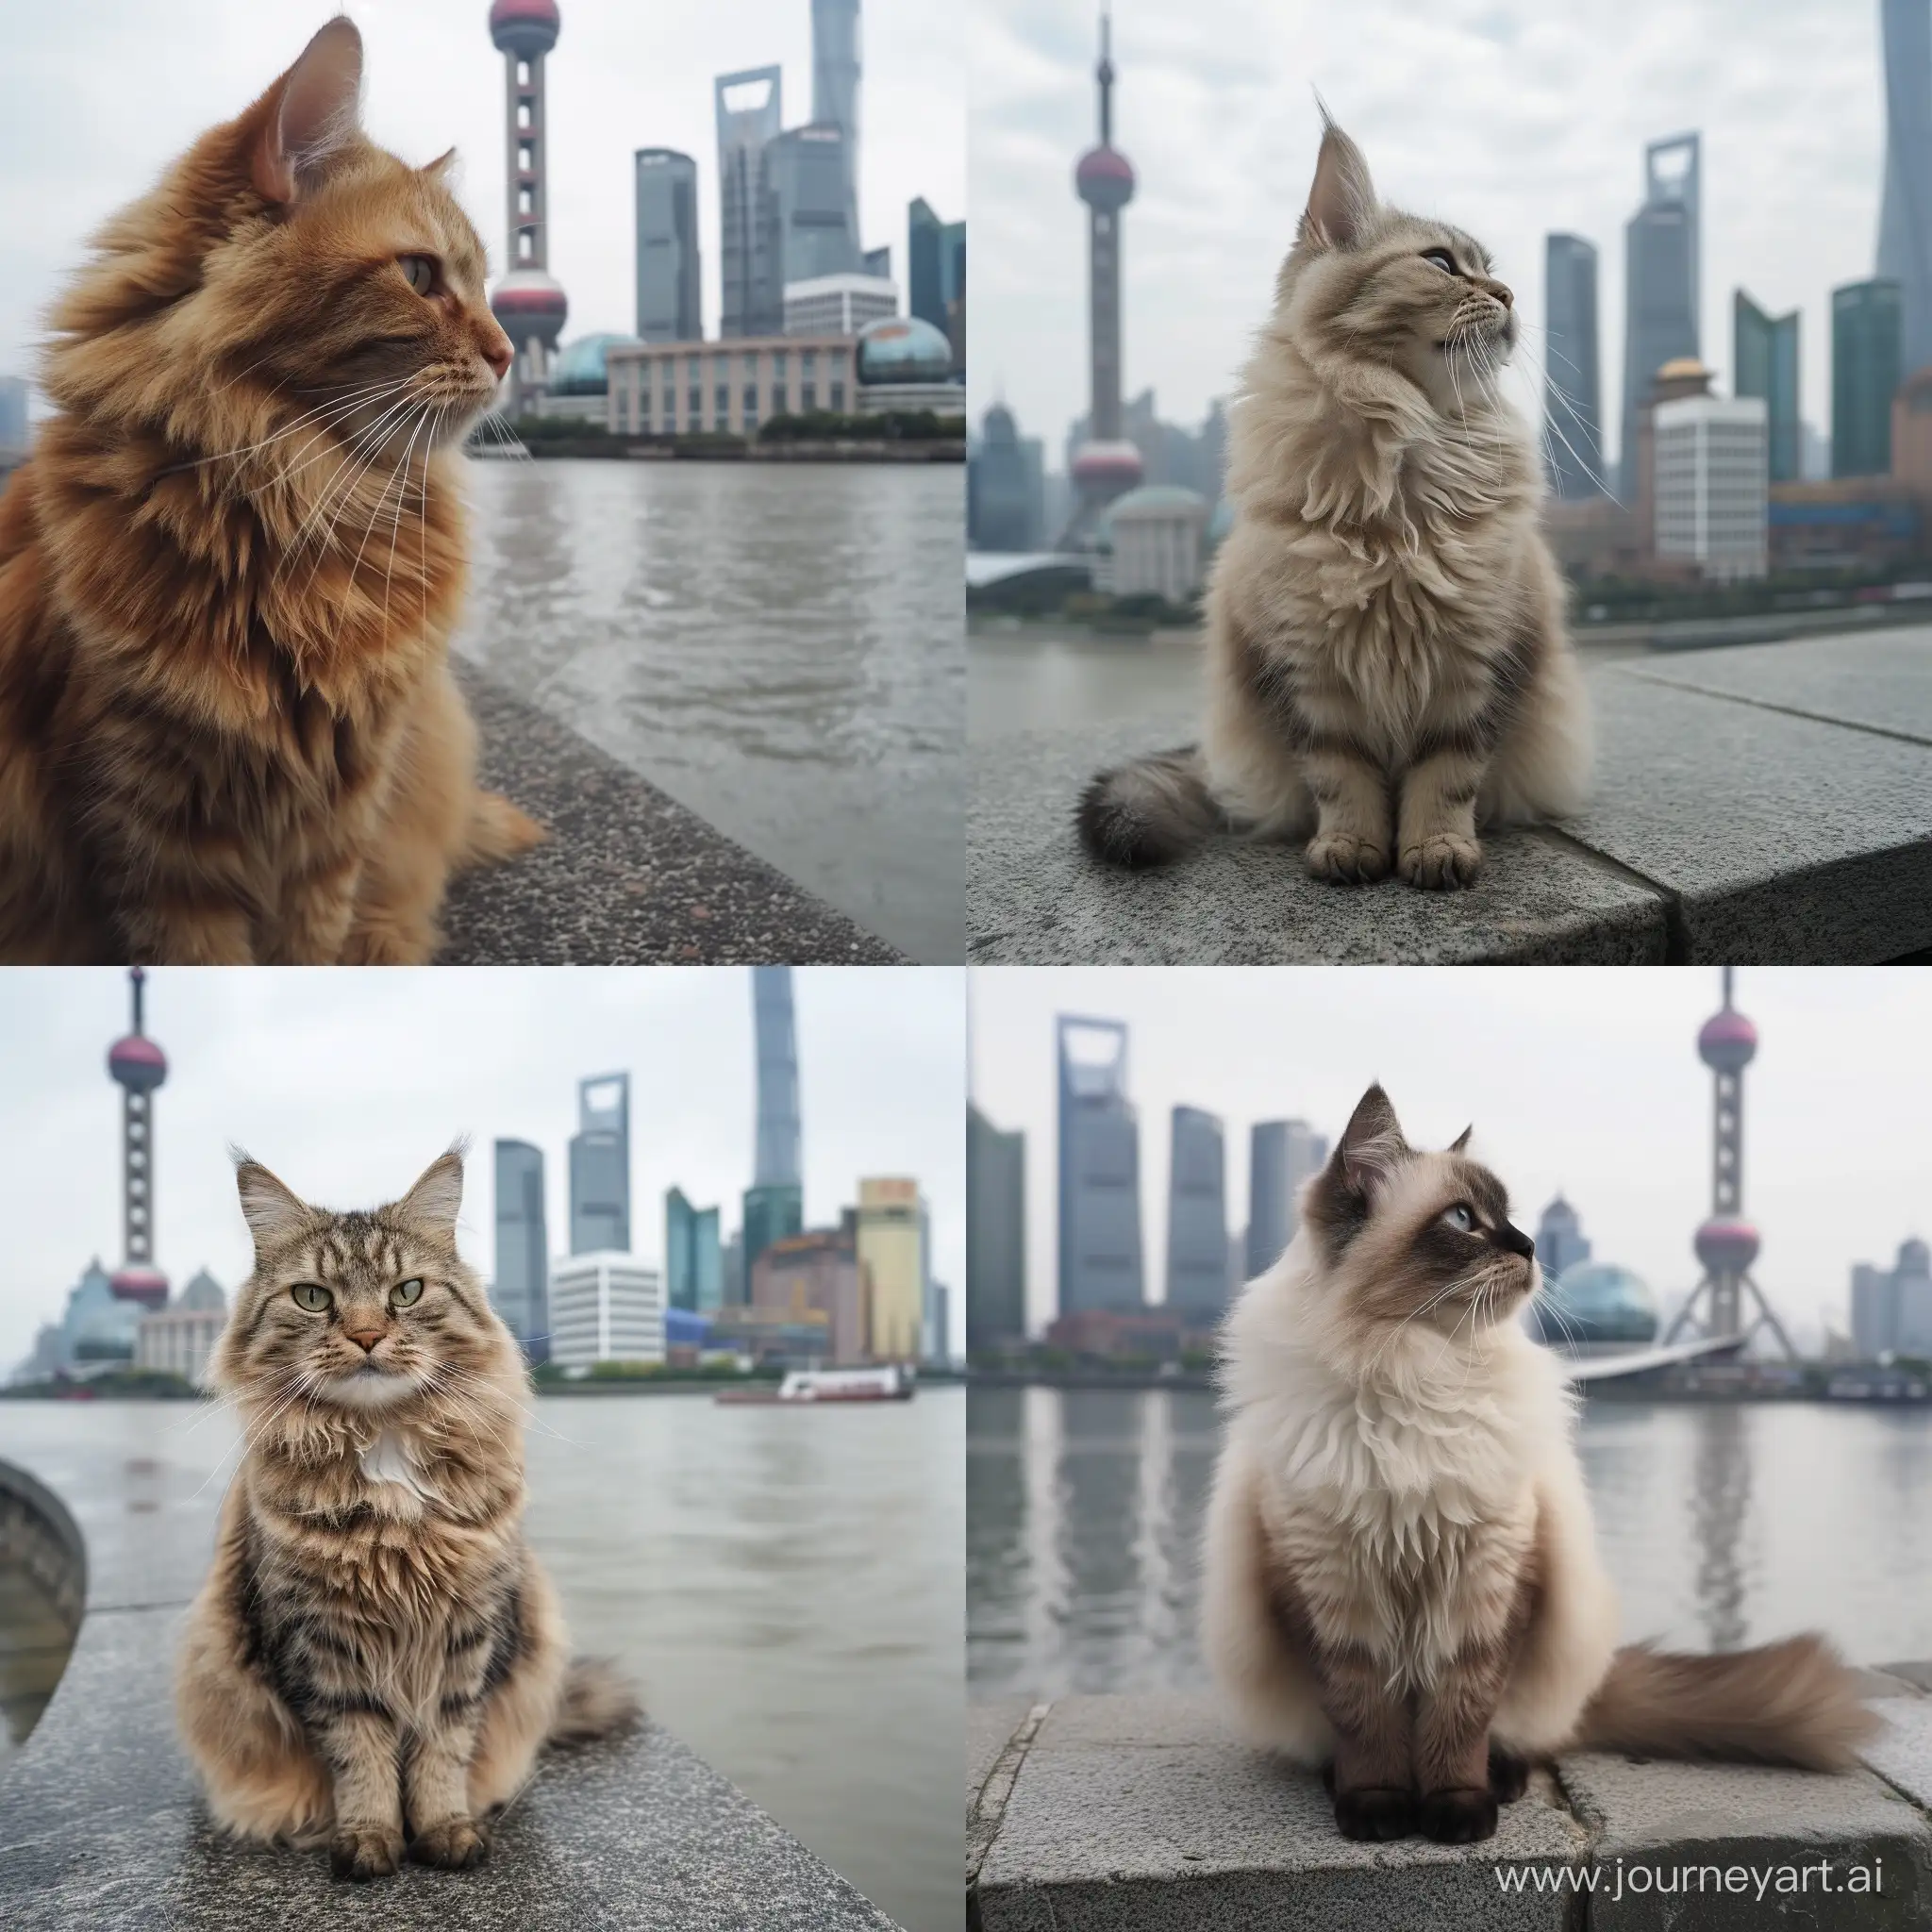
(231, 565)
(375, 1658)
(1399, 1496)
(1386, 663)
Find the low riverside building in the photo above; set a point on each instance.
(1157, 543)
(817, 1271)
(730, 388)
(605, 1307)
(179, 1338)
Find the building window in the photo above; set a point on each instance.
(751, 402)
(524, 245)
(524, 160)
(838, 397)
(527, 202)
(523, 114)
(522, 73)
(695, 410)
(808, 396)
(723, 417)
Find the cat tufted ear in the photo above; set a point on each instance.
(1342, 198)
(1461, 1140)
(273, 1213)
(1371, 1145)
(309, 113)
(432, 1204)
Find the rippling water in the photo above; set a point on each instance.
(1723, 1524)
(779, 646)
(785, 1586)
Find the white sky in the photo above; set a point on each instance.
(1512, 118)
(98, 96)
(1576, 1078)
(348, 1084)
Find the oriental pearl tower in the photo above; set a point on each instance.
(529, 303)
(1106, 465)
(1727, 1243)
(138, 1066)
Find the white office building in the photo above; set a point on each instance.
(838, 305)
(1712, 467)
(605, 1307)
(1157, 543)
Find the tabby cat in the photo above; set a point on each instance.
(375, 1658)
(1386, 663)
(231, 565)
(1401, 1581)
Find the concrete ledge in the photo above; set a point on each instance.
(1762, 803)
(1149, 1814)
(628, 876)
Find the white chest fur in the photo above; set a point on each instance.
(392, 1459)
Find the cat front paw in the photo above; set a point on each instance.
(453, 1845)
(365, 1851)
(1441, 862)
(1375, 1813)
(1458, 1817)
(1346, 859)
(1509, 1774)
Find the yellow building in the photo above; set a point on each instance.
(891, 1253)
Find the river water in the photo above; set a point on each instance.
(779, 646)
(1722, 1525)
(783, 1584)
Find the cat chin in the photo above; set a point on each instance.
(362, 1390)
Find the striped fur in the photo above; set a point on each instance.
(1386, 657)
(230, 567)
(375, 1657)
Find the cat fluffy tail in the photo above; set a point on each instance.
(598, 1702)
(1790, 1703)
(1150, 813)
(497, 830)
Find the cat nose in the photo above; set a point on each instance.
(497, 352)
(1516, 1240)
(366, 1339)
(1501, 291)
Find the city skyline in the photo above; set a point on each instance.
(1529, 1061)
(388, 1069)
(1218, 113)
(86, 129)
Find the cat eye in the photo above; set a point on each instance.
(404, 1292)
(1442, 258)
(420, 271)
(1460, 1216)
(318, 1300)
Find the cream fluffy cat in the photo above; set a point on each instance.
(1401, 1580)
(1387, 662)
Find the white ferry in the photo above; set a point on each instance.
(894, 1382)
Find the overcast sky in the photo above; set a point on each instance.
(98, 96)
(1579, 1079)
(1512, 118)
(348, 1084)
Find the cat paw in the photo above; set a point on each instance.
(365, 1851)
(1442, 862)
(1458, 1817)
(1374, 1812)
(1509, 1774)
(1343, 859)
(453, 1845)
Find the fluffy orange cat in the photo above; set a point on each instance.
(230, 568)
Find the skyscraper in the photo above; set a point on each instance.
(996, 1234)
(776, 1160)
(1572, 390)
(667, 204)
(693, 1259)
(891, 1246)
(138, 1067)
(1099, 1171)
(935, 269)
(600, 1167)
(1891, 1308)
(1281, 1155)
(1764, 364)
(1106, 465)
(1662, 261)
(1904, 218)
(750, 117)
(1560, 1243)
(529, 303)
(809, 189)
(520, 1294)
(835, 76)
(1197, 1280)
(1866, 368)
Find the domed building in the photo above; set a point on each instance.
(1593, 1307)
(1152, 540)
(902, 363)
(580, 384)
(99, 1328)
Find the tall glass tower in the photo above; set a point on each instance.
(750, 116)
(1281, 1155)
(1197, 1280)
(1099, 1171)
(776, 1163)
(1867, 366)
(520, 1290)
(1764, 364)
(834, 74)
(1662, 261)
(600, 1166)
(1904, 216)
(1572, 390)
(667, 211)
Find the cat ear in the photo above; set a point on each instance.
(273, 1213)
(309, 113)
(1344, 196)
(1371, 1145)
(433, 1201)
(1461, 1140)
(434, 169)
